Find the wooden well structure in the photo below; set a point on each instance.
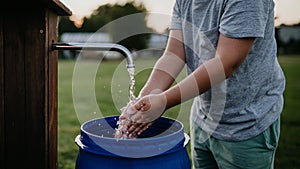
(28, 83)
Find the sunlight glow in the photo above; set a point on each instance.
(286, 11)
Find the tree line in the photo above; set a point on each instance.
(291, 44)
(106, 18)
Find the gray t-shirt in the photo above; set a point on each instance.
(249, 101)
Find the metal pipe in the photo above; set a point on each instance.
(96, 46)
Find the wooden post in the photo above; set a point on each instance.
(28, 86)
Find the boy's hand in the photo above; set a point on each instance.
(128, 111)
(147, 110)
(138, 116)
(125, 121)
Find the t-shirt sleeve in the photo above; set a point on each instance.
(245, 18)
(176, 22)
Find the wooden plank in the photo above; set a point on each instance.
(35, 87)
(28, 89)
(2, 124)
(52, 85)
(14, 91)
(30, 5)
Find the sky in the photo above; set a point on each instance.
(287, 11)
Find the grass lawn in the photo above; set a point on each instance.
(287, 156)
(109, 92)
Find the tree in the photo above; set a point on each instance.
(66, 25)
(110, 18)
(97, 20)
(119, 29)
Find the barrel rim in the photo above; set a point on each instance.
(132, 148)
(179, 131)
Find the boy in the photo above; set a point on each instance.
(233, 76)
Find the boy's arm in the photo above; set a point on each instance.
(230, 54)
(167, 67)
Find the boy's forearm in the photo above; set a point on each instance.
(158, 82)
(163, 74)
(192, 86)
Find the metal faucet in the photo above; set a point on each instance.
(96, 46)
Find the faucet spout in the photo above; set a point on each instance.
(97, 46)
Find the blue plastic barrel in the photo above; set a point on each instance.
(161, 146)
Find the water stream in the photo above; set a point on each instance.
(121, 131)
(131, 84)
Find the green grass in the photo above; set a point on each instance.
(110, 93)
(287, 156)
